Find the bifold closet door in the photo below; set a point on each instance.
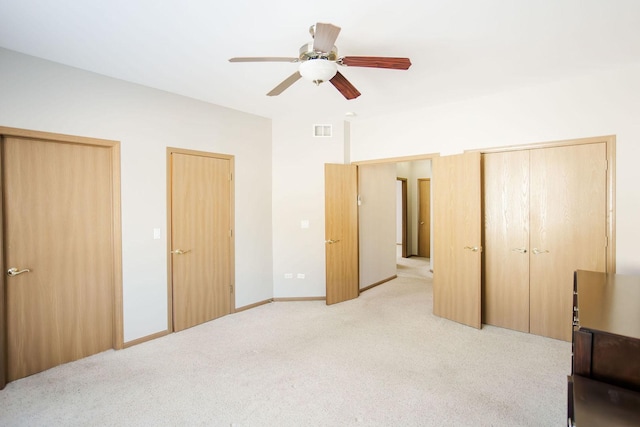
(506, 227)
(568, 230)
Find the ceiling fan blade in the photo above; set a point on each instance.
(376, 62)
(285, 84)
(263, 59)
(344, 86)
(325, 37)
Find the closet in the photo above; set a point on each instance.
(544, 216)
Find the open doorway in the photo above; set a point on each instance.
(415, 214)
(389, 219)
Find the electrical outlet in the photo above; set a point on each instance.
(300, 276)
(288, 275)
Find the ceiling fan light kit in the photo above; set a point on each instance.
(318, 70)
(319, 62)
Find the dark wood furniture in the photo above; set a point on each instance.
(604, 386)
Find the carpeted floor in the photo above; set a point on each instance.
(380, 360)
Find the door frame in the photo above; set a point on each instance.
(232, 247)
(416, 158)
(116, 235)
(610, 143)
(403, 204)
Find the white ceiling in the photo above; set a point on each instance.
(459, 48)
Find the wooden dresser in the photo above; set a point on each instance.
(604, 386)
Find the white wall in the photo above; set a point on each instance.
(41, 95)
(603, 103)
(298, 194)
(377, 223)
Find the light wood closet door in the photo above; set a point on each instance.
(506, 240)
(200, 239)
(568, 230)
(58, 224)
(456, 189)
(341, 232)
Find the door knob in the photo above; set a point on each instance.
(180, 251)
(473, 248)
(537, 251)
(421, 222)
(14, 271)
(330, 241)
(521, 250)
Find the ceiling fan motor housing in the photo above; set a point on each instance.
(307, 52)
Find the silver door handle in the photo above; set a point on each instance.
(180, 251)
(473, 248)
(421, 222)
(537, 251)
(521, 250)
(14, 271)
(331, 241)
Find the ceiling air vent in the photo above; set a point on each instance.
(322, 131)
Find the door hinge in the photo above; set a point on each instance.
(606, 165)
(606, 241)
(231, 288)
(230, 176)
(230, 232)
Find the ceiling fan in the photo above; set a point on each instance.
(319, 62)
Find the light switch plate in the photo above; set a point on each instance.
(156, 233)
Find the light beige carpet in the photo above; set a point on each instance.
(380, 360)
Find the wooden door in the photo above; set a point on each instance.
(201, 234)
(58, 231)
(568, 230)
(456, 190)
(506, 239)
(341, 232)
(424, 218)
